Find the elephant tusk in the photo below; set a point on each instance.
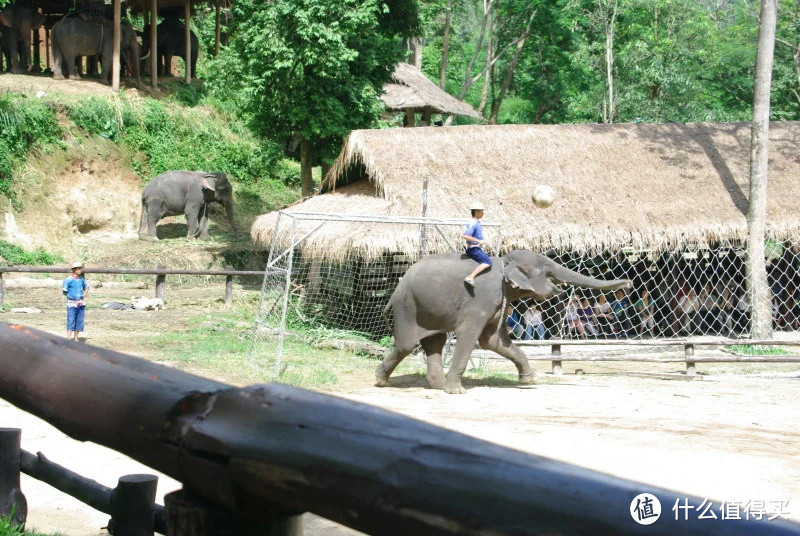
(145, 56)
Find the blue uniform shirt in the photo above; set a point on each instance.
(474, 230)
(74, 287)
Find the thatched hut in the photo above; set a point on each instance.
(632, 200)
(634, 185)
(411, 92)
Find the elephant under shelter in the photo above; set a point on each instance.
(26, 35)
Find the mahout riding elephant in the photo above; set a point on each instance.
(171, 41)
(432, 300)
(20, 19)
(184, 192)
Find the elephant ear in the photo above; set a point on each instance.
(208, 183)
(515, 275)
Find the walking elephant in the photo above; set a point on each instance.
(19, 20)
(184, 192)
(171, 41)
(432, 300)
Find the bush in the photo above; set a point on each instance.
(287, 171)
(96, 116)
(24, 124)
(17, 256)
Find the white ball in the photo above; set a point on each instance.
(543, 196)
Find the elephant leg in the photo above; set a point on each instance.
(204, 222)
(153, 215)
(499, 342)
(191, 221)
(14, 52)
(58, 74)
(466, 339)
(167, 64)
(433, 346)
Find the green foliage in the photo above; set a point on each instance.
(24, 124)
(17, 256)
(311, 67)
(750, 350)
(287, 171)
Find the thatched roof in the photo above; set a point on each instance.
(410, 88)
(644, 186)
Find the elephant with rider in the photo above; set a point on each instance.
(171, 41)
(433, 300)
(19, 20)
(75, 36)
(185, 192)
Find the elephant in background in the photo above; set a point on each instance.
(171, 41)
(432, 300)
(184, 192)
(19, 20)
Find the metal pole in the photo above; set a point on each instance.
(115, 64)
(187, 19)
(153, 43)
(423, 246)
(287, 286)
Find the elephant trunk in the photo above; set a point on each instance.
(564, 275)
(229, 213)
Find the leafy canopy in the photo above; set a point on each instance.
(312, 68)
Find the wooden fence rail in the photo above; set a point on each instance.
(161, 273)
(252, 459)
(687, 346)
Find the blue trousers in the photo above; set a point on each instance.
(75, 318)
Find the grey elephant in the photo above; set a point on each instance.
(171, 41)
(432, 300)
(184, 192)
(19, 20)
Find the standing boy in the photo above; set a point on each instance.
(473, 235)
(75, 288)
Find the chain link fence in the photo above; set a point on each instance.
(689, 291)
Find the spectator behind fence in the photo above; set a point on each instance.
(514, 323)
(602, 311)
(645, 310)
(741, 315)
(709, 310)
(588, 319)
(689, 307)
(622, 313)
(573, 320)
(534, 323)
(726, 307)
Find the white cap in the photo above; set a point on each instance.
(77, 265)
(477, 206)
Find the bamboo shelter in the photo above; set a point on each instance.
(646, 186)
(411, 92)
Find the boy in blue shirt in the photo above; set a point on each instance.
(75, 288)
(473, 235)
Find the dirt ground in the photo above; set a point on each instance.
(724, 436)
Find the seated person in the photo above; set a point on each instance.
(588, 319)
(514, 323)
(645, 309)
(573, 321)
(534, 323)
(602, 312)
(620, 308)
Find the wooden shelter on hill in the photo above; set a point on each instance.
(645, 186)
(410, 91)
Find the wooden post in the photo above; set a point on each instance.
(426, 116)
(689, 350)
(556, 352)
(228, 287)
(217, 30)
(161, 283)
(154, 43)
(11, 498)
(189, 515)
(423, 246)
(410, 117)
(2, 291)
(115, 63)
(187, 19)
(37, 56)
(47, 47)
(133, 506)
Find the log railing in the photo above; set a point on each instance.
(687, 347)
(253, 459)
(161, 273)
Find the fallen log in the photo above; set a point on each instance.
(266, 448)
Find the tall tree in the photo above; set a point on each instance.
(300, 76)
(756, 215)
(445, 45)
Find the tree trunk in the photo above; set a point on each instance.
(415, 52)
(510, 72)
(306, 180)
(188, 29)
(445, 46)
(217, 30)
(115, 63)
(489, 56)
(609, 115)
(761, 323)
